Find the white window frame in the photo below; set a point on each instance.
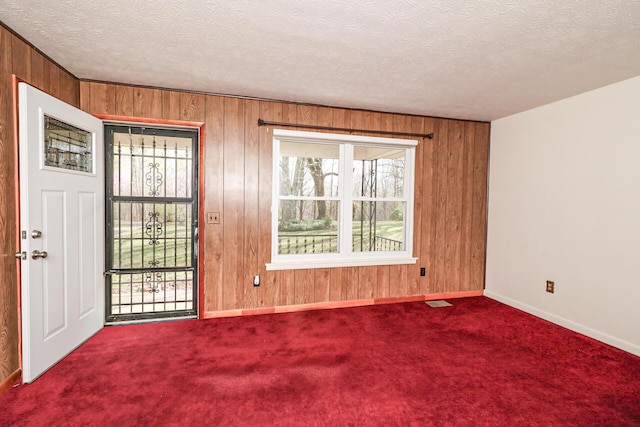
(346, 257)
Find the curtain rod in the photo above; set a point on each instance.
(380, 132)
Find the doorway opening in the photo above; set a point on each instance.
(151, 177)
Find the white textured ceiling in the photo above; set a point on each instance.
(465, 59)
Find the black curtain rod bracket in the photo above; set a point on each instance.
(379, 132)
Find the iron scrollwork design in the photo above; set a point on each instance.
(154, 179)
(153, 228)
(153, 282)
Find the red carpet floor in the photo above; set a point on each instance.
(477, 363)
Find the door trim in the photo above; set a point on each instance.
(16, 192)
(201, 148)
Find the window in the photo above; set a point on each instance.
(341, 200)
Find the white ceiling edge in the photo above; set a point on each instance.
(445, 58)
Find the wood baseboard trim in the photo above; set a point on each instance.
(337, 304)
(10, 380)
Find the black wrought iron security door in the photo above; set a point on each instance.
(152, 214)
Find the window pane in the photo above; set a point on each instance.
(378, 172)
(67, 146)
(378, 226)
(308, 169)
(301, 229)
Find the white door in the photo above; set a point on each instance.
(62, 228)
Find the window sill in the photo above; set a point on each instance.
(338, 262)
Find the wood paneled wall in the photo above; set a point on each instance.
(17, 57)
(450, 200)
(450, 197)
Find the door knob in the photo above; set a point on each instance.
(21, 255)
(37, 254)
(36, 234)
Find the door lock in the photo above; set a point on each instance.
(36, 234)
(21, 255)
(37, 254)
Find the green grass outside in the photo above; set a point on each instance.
(387, 229)
(134, 249)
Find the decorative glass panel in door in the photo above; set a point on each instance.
(66, 146)
(152, 225)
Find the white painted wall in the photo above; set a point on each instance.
(564, 205)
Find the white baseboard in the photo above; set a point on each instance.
(576, 327)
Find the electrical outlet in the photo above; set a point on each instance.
(423, 271)
(213, 217)
(550, 286)
(256, 280)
